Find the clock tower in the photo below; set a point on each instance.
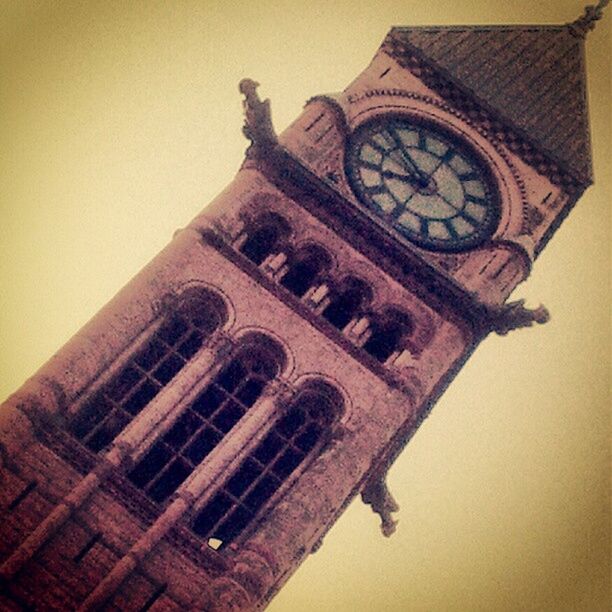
(195, 441)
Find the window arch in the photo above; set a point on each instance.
(353, 296)
(389, 333)
(264, 236)
(305, 269)
(298, 434)
(204, 423)
(184, 328)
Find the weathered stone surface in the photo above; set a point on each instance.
(78, 534)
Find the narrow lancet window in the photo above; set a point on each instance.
(205, 422)
(297, 435)
(178, 337)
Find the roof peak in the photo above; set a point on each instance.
(587, 21)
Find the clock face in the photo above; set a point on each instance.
(424, 183)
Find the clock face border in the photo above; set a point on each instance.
(457, 143)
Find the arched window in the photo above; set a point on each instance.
(305, 268)
(298, 434)
(264, 237)
(353, 295)
(389, 332)
(204, 423)
(178, 337)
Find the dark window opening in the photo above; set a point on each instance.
(87, 547)
(261, 243)
(264, 237)
(177, 339)
(305, 269)
(204, 423)
(157, 593)
(12, 597)
(345, 306)
(388, 335)
(293, 437)
(22, 495)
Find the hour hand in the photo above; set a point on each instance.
(410, 177)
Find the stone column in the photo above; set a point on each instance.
(157, 415)
(202, 485)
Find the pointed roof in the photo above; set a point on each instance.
(531, 78)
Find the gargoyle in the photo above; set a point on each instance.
(508, 317)
(258, 117)
(376, 495)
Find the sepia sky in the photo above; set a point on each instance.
(119, 121)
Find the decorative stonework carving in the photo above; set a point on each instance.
(221, 344)
(514, 315)
(449, 263)
(280, 390)
(377, 495)
(258, 118)
(337, 111)
(532, 218)
(228, 595)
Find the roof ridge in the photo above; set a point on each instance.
(486, 27)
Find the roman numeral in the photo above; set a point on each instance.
(447, 156)
(375, 145)
(470, 176)
(424, 227)
(475, 199)
(397, 140)
(370, 165)
(398, 211)
(422, 141)
(451, 230)
(471, 220)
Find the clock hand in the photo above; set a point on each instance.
(406, 178)
(409, 163)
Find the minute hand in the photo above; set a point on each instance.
(409, 163)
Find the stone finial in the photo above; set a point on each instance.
(258, 126)
(376, 495)
(584, 24)
(514, 315)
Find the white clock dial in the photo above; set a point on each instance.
(424, 182)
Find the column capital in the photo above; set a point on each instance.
(278, 389)
(221, 343)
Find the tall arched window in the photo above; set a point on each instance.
(265, 236)
(179, 336)
(353, 295)
(305, 268)
(389, 332)
(204, 423)
(297, 435)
